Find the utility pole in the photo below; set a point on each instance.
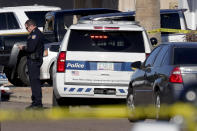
(148, 14)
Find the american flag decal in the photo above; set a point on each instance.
(75, 73)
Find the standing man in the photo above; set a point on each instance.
(34, 51)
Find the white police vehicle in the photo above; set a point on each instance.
(12, 33)
(13, 18)
(94, 60)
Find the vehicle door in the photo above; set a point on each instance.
(143, 92)
(9, 23)
(172, 21)
(155, 73)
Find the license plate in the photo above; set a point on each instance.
(105, 91)
(105, 66)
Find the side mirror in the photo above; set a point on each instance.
(136, 64)
(153, 41)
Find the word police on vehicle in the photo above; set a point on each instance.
(94, 61)
(75, 65)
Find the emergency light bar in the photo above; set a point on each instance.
(98, 36)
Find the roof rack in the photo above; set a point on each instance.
(108, 21)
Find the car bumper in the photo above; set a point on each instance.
(172, 93)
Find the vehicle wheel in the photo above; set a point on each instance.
(15, 80)
(57, 102)
(130, 105)
(50, 81)
(157, 103)
(190, 96)
(22, 71)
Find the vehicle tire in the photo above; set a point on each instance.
(57, 102)
(130, 105)
(190, 96)
(15, 80)
(22, 71)
(157, 103)
(50, 81)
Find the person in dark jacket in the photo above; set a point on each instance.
(34, 51)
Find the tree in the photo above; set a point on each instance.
(148, 14)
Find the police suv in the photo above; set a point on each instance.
(94, 60)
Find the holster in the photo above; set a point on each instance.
(34, 56)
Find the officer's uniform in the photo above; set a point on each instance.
(34, 50)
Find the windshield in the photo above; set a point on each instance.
(49, 24)
(185, 56)
(37, 16)
(100, 41)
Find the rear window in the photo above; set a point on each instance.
(171, 21)
(119, 41)
(185, 56)
(37, 16)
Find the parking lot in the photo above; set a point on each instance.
(99, 69)
(21, 98)
(23, 94)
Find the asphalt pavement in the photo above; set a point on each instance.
(21, 97)
(23, 94)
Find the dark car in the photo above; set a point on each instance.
(168, 75)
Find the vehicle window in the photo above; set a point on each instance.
(152, 56)
(12, 22)
(113, 41)
(37, 16)
(160, 56)
(171, 21)
(166, 59)
(69, 20)
(49, 24)
(185, 56)
(3, 24)
(8, 21)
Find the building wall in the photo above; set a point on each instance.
(168, 4)
(123, 5)
(64, 4)
(126, 5)
(191, 13)
(113, 4)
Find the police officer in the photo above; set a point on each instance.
(34, 51)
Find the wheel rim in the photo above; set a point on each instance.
(130, 102)
(157, 105)
(190, 96)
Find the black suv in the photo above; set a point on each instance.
(168, 75)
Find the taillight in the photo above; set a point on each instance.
(61, 62)
(176, 76)
(106, 28)
(3, 91)
(147, 54)
(98, 27)
(111, 28)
